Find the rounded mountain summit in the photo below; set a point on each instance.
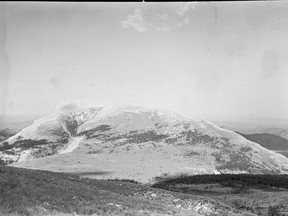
(134, 142)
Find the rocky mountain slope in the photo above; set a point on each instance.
(134, 142)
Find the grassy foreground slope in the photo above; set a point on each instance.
(34, 192)
(265, 195)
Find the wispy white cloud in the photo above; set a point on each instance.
(135, 21)
(164, 28)
(183, 8)
(159, 17)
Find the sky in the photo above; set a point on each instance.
(206, 59)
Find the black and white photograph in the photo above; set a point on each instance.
(144, 108)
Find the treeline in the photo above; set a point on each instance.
(229, 180)
(23, 144)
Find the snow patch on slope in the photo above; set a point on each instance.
(73, 145)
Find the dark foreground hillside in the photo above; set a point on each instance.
(34, 192)
(259, 194)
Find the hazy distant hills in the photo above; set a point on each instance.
(269, 141)
(5, 134)
(10, 125)
(277, 128)
(134, 142)
(272, 136)
(280, 131)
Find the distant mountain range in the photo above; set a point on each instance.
(269, 141)
(5, 134)
(134, 142)
(279, 129)
(273, 136)
(10, 125)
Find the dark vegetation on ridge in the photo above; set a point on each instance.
(91, 132)
(24, 144)
(229, 180)
(41, 147)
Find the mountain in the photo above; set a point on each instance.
(134, 142)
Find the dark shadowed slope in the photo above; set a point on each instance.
(34, 192)
(269, 141)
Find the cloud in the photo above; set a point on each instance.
(183, 8)
(135, 21)
(158, 17)
(75, 106)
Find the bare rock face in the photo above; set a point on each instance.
(135, 142)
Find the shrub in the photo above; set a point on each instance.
(90, 133)
(5, 146)
(262, 181)
(273, 211)
(124, 180)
